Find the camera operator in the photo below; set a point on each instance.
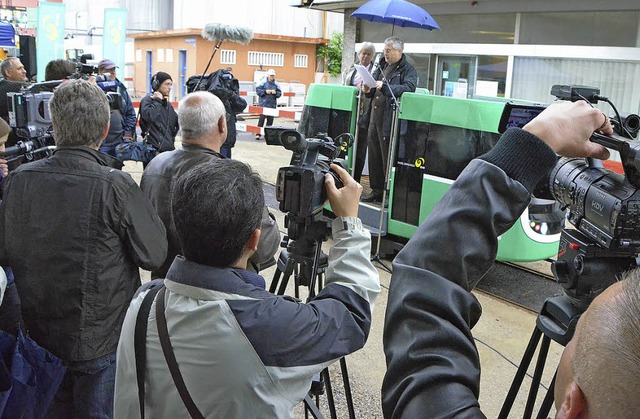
(157, 117)
(75, 231)
(123, 120)
(59, 70)
(242, 351)
(433, 368)
(204, 130)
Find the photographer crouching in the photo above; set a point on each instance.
(241, 351)
(76, 242)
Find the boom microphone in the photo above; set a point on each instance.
(216, 32)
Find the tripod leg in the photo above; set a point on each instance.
(522, 370)
(347, 388)
(548, 400)
(310, 406)
(537, 376)
(330, 401)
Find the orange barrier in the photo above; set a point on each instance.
(259, 110)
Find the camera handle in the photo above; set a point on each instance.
(628, 155)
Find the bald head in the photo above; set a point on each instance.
(202, 119)
(603, 360)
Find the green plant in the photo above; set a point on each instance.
(332, 54)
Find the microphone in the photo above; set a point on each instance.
(217, 32)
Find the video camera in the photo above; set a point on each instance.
(30, 119)
(603, 206)
(300, 186)
(301, 192)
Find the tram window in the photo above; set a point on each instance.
(446, 150)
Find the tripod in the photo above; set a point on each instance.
(307, 262)
(584, 269)
(557, 320)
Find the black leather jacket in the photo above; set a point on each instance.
(157, 180)
(403, 79)
(433, 368)
(75, 231)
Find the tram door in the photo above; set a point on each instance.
(456, 76)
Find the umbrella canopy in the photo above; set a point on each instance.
(396, 12)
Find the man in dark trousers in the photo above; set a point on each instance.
(76, 231)
(158, 119)
(204, 130)
(268, 92)
(401, 77)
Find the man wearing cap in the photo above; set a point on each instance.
(269, 92)
(158, 119)
(124, 124)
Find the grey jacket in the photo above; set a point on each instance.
(433, 369)
(156, 183)
(243, 352)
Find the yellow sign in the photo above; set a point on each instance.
(50, 28)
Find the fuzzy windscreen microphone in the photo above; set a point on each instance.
(217, 32)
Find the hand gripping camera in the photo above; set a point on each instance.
(603, 206)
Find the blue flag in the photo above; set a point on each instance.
(50, 36)
(114, 37)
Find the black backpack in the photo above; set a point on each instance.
(221, 83)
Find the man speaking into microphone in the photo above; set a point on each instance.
(400, 77)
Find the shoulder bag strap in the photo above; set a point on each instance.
(140, 342)
(170, 357)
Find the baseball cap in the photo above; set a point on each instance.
(271, 72)
(107, 64)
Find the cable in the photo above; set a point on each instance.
(606, 99)
(506, 359)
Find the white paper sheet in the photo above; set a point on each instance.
(364, 74)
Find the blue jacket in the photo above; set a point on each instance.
(126, 108)
(268, 101)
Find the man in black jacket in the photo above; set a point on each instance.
(157, 117)
(402, 77)
(14, 79)
(204, 130)
(76, 231)
(433, 368)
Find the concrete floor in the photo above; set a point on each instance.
(502, 333)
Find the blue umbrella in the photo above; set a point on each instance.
(396, 12)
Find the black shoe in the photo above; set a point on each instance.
(372, 197)
(257, 137)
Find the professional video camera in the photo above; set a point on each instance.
(301, 192)
(300, 186)
(603, 206)
(30, 119)
(84, 70)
